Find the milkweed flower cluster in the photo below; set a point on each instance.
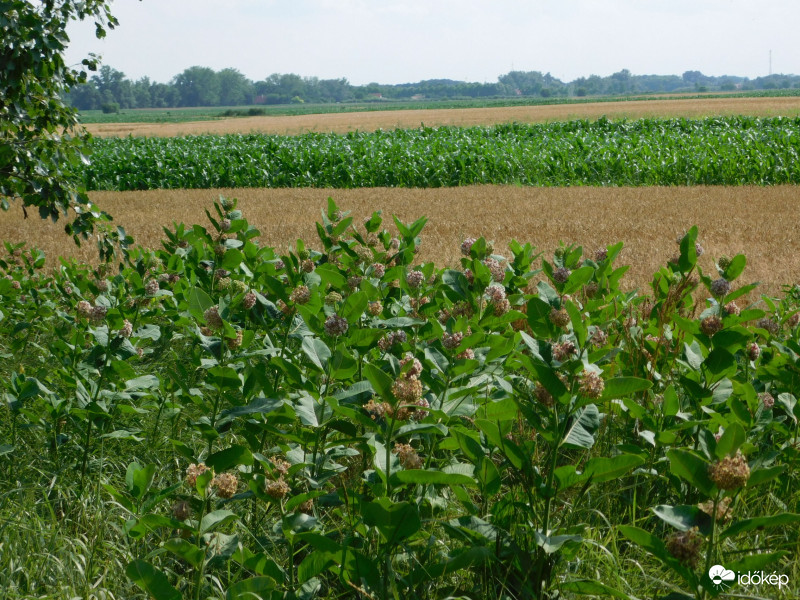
(497, 270)
(711, 325)
(225, 485)
(127, 329)
(193, 471)
(408, 456)
(336, 326)
(466, 246)
(414, 279)
(390, 339)
(300, 295)
(249, 300)
(720, 288)
(497, 296)
(730, 473)
(561, 275)
(685, 546)
(559, 317)
(591, 385)
(212, 317)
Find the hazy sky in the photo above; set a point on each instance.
(399, 41)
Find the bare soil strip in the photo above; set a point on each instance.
(760, 222)
(463, 117)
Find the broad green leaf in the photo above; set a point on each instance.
(759, 523)
(151, 580)
(423, 477)
(691, 468)
(216, 519)
(253, 588)
(316, 351)
(617, 387)
(186, 550)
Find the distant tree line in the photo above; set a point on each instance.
(202, 86)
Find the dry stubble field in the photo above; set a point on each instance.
(759, 221)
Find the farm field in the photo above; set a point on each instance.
(290, 396)
(757, 219)
(463, 117)
(713, 151)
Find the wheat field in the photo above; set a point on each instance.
(760, 222)
(462, 117)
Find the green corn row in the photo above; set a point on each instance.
(714, 151)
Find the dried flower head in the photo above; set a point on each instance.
(685, 546)
(225, 484)
(793, 320)
(375, 410)
(591, 289)
(193, 471)
(354, 281)
(730, 473)
(307, 265)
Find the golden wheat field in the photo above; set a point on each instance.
(758, 221)
(463, 117)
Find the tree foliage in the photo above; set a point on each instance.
(41, 141)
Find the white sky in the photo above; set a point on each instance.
(400, 41)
